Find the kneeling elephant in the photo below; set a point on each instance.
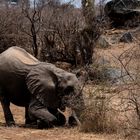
(40, 87)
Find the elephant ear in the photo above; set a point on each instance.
(41, 83)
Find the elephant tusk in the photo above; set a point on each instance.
(67, 114)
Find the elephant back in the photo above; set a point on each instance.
(17, 54)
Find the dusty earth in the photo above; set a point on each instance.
(62, 133)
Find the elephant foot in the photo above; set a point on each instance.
(30, 122)
(43, 124)
(11, 124)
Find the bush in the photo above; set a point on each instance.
(115, 108)
(98, 117)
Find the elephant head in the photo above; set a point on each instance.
(54, 88)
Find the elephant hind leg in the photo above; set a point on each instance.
(7, 112)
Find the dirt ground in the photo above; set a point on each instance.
(58, 133)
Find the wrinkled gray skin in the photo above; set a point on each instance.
(39, 87)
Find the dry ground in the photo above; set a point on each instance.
(21, 133)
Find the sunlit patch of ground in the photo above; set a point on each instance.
(51, 134)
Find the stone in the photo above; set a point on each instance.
(121, 12)
(126, 38)
(103, 42)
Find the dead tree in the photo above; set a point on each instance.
(33, 15)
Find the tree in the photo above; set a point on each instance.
(33, 15)
(88, 11)
(88, 32)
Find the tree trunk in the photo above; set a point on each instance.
(88, 11)
(88, 32)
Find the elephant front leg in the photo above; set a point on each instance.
(29, 120)
(7, 112)
(38, 111)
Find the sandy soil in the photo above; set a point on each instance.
(58, 133)
(53, 134)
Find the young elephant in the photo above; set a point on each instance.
(39, 87)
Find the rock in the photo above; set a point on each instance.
(102, 61)
(102, 42)
(122, 11)
(118, 76)
(126, 38)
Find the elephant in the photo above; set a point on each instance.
(40, 87)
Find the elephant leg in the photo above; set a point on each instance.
(40, 112)
(7, 112)
(28, 119)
